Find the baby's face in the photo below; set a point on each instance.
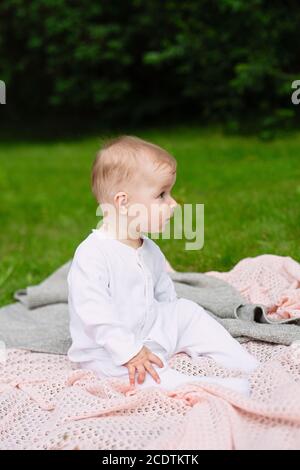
(154, 196)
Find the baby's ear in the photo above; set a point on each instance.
(169, 268)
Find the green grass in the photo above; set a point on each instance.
(250, 188)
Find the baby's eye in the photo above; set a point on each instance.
(161, 194)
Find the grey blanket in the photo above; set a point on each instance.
(39, 319)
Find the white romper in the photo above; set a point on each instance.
(121, 298)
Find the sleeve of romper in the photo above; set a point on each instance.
(164, 289)
(91, 301)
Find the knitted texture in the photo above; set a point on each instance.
(270, 280)
(46, 403)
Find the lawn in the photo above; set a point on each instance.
(250, 189)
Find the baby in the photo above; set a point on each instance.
(126, 320)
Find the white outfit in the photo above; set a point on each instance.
(121, 298)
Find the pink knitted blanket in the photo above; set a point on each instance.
(271, 280)
(45, 403)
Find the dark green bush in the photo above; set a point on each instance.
(218, 61)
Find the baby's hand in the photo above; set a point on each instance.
(142, 363)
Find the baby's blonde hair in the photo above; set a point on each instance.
(121, 160)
